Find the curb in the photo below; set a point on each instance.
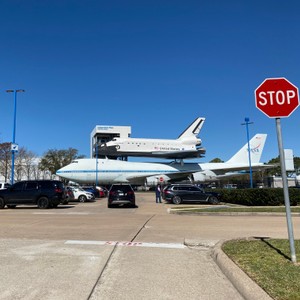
(240, 280)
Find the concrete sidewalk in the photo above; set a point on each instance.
(39, 269)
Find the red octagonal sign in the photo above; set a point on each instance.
(277, 97)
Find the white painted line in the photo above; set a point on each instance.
(61, 213)
(127, 244)
(76, 242)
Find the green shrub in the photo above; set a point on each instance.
(258, 197)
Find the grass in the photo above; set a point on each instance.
(256, 209)
(267, 261)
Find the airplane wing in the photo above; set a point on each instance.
(170, 176)
(242, 171)
(223, 171)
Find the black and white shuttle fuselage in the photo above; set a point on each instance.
(187, 145)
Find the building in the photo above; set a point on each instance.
(276, 182)
(104, 133)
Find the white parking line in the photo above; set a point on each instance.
(61, 213)
(126, 244)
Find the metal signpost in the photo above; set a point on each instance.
(278, 98)
(247, 123)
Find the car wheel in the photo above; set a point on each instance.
(11, 206)
(82, 198)
(213, 200)
(176, 200)
(43, 203)
(2, 203)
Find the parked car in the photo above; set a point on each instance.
(43, 193)
(121, 194)
(92, 190)
(4, 185)
(80, 194)
(178, 193)
(103, 192)
(69, 193)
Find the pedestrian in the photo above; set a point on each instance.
(158, 193)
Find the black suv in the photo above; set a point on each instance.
(43, 193)
(178, 193)
(121, 194)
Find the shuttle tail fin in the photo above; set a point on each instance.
(193, 129)
(257, 144)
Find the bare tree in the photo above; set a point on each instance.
(30, 162)
(5, 160)
(24, 164)
(19, 168)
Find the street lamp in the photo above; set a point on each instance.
(96, 148)
(14, 147)
(249, 150)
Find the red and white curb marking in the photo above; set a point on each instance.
(126, 244)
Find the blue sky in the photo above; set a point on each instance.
(153, 65)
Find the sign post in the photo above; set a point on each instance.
(278, 98)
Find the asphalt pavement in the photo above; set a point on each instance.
(87, 251)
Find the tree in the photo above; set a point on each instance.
(216, 160)
(54, 159)
(276, 170)
(26, 162)
(5, 160)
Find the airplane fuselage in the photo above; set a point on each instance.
(110, 171)
(153, 147)
(187, 145)
(107, 171)
(116, 171)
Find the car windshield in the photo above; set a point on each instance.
(125, 188)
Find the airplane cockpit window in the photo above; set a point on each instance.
(75, 162)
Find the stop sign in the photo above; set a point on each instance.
(277, 97)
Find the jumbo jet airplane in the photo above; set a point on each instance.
(116, 171)
(185, 146)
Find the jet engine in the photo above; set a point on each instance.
(204, 176)
(154, 180)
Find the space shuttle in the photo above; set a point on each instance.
(108, 171)
(187, 145)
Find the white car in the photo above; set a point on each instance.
(81, 195)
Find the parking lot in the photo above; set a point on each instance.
(88, 251)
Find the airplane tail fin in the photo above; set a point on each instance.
(257, 144)
(193, 129)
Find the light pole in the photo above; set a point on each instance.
(96, 148)
(14, 147)
(249, 150)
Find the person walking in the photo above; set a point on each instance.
(158, 193)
